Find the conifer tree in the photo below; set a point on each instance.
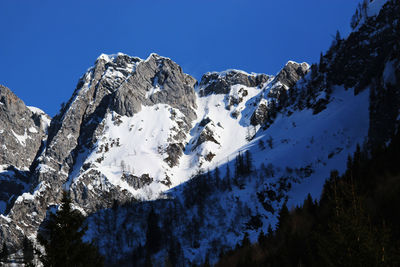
(270, 232)
(283, 217)
(228, 177)
(338, 37)
(4, 253)
(246, 240)
(153, 233)
(262, 238)
(28, 252)
(217, 177)
(249, 162)
(62, 239)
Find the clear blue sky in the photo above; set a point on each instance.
(46, 45)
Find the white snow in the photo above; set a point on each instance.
(42, 186)
(5, 217)
(36, 110)
(153, 91)
(225, 72)
(224, 124)
(21, 138)
(3, 167)
(297, 63)
(26, 196)
(108, 58)
(32, 130)
(44, 168)
(45, 119)
(143, 139)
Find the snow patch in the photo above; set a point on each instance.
(135, 145)
(5, 217)
(21, 138)
(32, 130)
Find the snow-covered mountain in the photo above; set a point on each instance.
(214, 159)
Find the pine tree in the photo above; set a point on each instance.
(228, 177)
(239, 166)
(246, 240)
(28, 252)
(153, 233)
(270, 142)
(262, 238)
(207, 262)
(62, 239)
(261, 144)
(4, 253)
(338, 38)
(217, 177)
(283, 217)
(270, 232)
(249, 162)
(175, 253)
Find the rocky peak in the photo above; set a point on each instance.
(220, 82)
(276, 95)
(291, 73)
(21, 130)
(156, 80)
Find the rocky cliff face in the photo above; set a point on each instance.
(21, 130)
(221, 82)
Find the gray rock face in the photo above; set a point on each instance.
(260, 115)
(13, 183)
(137, 182)
(106, 195)
(206, 135)
(220, 83)
(176, 88)
(291, 73)
(277, 95)
(21, 131)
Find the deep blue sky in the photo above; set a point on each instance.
(45, 46)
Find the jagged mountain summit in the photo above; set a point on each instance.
(136, 130)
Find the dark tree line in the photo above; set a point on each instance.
(355, 223)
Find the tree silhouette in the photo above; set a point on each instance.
(62, 239)
(4, 253)
(28, 252)
(153, 233)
